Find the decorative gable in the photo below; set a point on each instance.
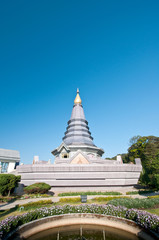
(79, 159)
(63, 147)
(63, 150)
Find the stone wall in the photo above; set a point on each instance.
(80, 175)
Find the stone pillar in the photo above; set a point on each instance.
(119, 159)
(36, 159)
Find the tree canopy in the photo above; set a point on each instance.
(146, 148)
(7, 183)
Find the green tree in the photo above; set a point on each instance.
(7, 183)
(146, 148)
(134, 140)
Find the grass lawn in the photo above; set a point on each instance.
(8, 214)
(88, 193)
(153, 211)
(16, 211)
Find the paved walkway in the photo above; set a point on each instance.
(6, 206)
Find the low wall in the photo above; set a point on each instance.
(29, 229)
(81, 175)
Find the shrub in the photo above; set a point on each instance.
(135, 203)
(88, 193)
(37, 188)
(70, 200)
(7, 183)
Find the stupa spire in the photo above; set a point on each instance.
(77, 99)
(77, 131)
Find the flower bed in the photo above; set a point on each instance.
(142, 218)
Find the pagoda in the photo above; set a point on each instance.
(78, 161)
(77, 146)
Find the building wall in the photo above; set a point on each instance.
(12, 157)
(11, 166)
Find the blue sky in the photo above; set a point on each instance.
(108, 49)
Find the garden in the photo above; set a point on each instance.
(128, 206)
(144, 219)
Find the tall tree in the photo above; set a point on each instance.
(134, 140)
(146, 148)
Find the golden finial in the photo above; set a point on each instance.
(77, 99)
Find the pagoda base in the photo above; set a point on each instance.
(80, 175)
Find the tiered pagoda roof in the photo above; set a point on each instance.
(77, 130)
